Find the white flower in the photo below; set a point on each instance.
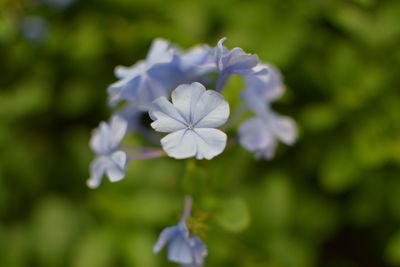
(191, 120)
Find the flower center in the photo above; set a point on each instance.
(190, 126)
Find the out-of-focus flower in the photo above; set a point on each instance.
(191, 119)
(188, 251)
(260, 134)
(184, 249)
(105, 142)
(234, 61)
(143, 82)
(34, 28)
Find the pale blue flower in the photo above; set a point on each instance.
(260, 134)
(234, 61)
(188, 251)
(109, 159)
(143, 82)
(191, 120)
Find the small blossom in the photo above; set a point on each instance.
(260, 134)
(234, 61)
(146, 80)
(105, 142)
(191, 120)
(187, 250)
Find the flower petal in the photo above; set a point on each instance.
(180, 144)
(185, 98)
(267, 152)
(209, 142)
(136, 69)
(166, 235)
(166, 117)
(284, 128)
(199, 250)
(255, 102)
(180, 251)
(239, 62)
(254, 134)
(161, 51)
(118, 128)
(99, 141)
(97, 169)
(116, 166)
(211, 110)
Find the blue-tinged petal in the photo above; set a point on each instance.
(167, 76)
(180, 251)
(234, 61)
(166, 117)
(100, 139)
(267, 152)
(265, 82)
(183, 228)
(255, 102)
(239, 62)
(197, 61)
(117, 130)
(211, 110)
(149, 89)
(166, 236)
(97, 169)
(161, 51)
(134, 70)
(185, 98)
(132, 115)
(283, 128)
(209, 142)
(180, 144)
(125, 89)
(220, 50)
(116, 167)
(199, 250)
(255, 135)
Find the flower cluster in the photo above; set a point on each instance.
(169, 88)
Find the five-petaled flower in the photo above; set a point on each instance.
(191, 120)
(105, 142)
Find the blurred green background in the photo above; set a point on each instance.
(331, 200)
